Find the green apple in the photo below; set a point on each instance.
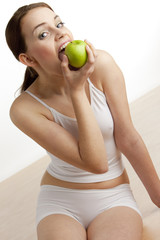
(76, 53)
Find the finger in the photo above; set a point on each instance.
(91, 57)
(92, 48)
(64, 65)
(88, 68)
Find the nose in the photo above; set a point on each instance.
(59, 34)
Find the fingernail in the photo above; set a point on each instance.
(86, 40)
(64, 58)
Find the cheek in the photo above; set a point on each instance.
(46, 57)
(43, 54)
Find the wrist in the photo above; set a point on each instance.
(154, 192)
(77, 94)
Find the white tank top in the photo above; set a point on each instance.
(67, 172)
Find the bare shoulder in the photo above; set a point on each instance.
(17, 109)
(103, 56)
(106, 65)
(24, 110)
(106, 71)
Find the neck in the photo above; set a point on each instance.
(47, 85)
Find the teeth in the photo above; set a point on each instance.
(63, 46)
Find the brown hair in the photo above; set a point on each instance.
(16, 41)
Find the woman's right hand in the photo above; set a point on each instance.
(76, 79)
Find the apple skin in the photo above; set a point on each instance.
(76, 53)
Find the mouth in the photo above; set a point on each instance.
(61, 50)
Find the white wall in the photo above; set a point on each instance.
(128, 30)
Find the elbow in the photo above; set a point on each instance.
(99, 168)
(96, 164)
(103, 169)
(129, 146)
(102, 166)
(127, 141)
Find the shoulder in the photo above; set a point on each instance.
(17, 108)
(106, 72)
(103, 57)
(26, 109)
(110, 77)
(106, 65)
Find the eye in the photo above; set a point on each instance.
(43, 35)
(60, 24)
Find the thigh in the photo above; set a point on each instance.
(60, 227)
(122, 223)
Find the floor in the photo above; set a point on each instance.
(18, 193)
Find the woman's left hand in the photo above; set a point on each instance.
(155, 196)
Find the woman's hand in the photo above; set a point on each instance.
(155, 195)
(76, 79)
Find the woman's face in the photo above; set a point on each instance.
(44, 34)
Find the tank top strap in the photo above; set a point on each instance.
(38, 99)
(93, 89)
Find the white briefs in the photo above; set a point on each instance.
(82, 205)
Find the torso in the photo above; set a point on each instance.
(47, 179)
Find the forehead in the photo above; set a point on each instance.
(36, 16)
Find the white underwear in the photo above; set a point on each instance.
(82, 205)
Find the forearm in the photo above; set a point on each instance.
(137, 154)
(91, 143)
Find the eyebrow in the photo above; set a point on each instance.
(43, 23)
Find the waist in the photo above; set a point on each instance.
(47, 179)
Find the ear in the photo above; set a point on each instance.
(26, 60)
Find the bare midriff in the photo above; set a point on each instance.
(47, 179)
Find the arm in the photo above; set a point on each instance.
(127, 139)
(91, 143)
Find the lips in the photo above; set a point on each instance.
(63, 46)
(62, 49)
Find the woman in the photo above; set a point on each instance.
(82, 119)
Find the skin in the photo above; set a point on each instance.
(67, 91)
